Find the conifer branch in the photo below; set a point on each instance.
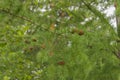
(117, 54)
(18, 16)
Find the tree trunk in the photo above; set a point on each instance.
(117, 7)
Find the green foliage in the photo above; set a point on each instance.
(53, 40)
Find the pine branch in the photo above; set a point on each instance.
(7, 11)
(12, 14)
(117, 54)
(96, 12)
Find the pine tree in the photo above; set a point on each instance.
(57, 40)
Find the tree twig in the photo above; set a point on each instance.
(12, 14)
